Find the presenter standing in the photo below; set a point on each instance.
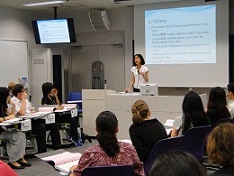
(140, 74)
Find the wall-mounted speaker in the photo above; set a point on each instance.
(99, 20)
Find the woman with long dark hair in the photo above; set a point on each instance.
(109, 151)
(193, 115)
(15, 140)
(217, 105)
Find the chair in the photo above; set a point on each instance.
(194, 141)
(161, 147)
(117, 170)
(76, 97)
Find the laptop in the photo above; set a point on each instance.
(149, 89)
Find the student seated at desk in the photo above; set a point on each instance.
(15, 140)
(50, 97)
(109, 151)
(5, 170)
(220, 149)
(177, 163)
(217, 105)
(145, 131)
(193, 115)
(23, 107)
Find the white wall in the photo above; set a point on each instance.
(16, 25)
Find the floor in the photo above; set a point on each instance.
(42, 168)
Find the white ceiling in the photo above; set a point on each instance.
(78, 4)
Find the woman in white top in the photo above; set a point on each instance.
(140, 74)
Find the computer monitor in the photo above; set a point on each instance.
(149, 89)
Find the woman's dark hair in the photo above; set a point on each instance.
(141, 57)
(217, 100)
(17, 89)
(46, 88)
(193, 112)
(4, 93)
(106, 125)
(177, 163)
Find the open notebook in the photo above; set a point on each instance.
(63, 161)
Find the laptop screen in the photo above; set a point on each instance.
(149, 89)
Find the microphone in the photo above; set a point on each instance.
(138, 72)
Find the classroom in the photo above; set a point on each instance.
(186, 44)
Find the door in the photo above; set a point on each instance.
(112, 57)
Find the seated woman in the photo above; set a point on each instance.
(109, 151)
(5, 170)
(15, 140)
(50, 97)
(145, 131)
(193, 115)
(177, 163)
(220, 148)
(217, 105)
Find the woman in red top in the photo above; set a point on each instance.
(109, 151)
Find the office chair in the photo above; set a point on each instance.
(194, 141)
(76, 97)
(161, 147)
(117, 170)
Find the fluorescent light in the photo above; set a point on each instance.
(43, 3)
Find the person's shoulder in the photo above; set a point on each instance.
(126, 145)
(133, 68)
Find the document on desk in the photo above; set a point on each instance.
(11, 121)
(63, 161)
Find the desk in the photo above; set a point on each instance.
(93, 102)
(25, 125)
(161, 107)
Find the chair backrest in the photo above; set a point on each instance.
(161, 147)
(224, 120)
(73, 96)
(118, 170)
(194, 141)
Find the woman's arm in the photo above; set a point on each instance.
(174, 132)
(145, 76)
(131, 84)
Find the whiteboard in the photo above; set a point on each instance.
(14, 61)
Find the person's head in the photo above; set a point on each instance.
(18, 90)
(138, 58)
(177, 163)
(140, 111)
(220, 145)
(217, 101)
(47, 88)
(107, 127)
(4, 98)
(217, 97)
(11, 85)
(230, 87)
(193, 111)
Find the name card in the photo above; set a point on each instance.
(26, 125)
(50, 119)
(74, 112)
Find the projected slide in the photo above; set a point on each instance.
(53, 31)
(184, 35)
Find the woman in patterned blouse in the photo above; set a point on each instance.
(109, 151)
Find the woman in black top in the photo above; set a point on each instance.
(217, 105)
(144, 132)
(50, 97)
